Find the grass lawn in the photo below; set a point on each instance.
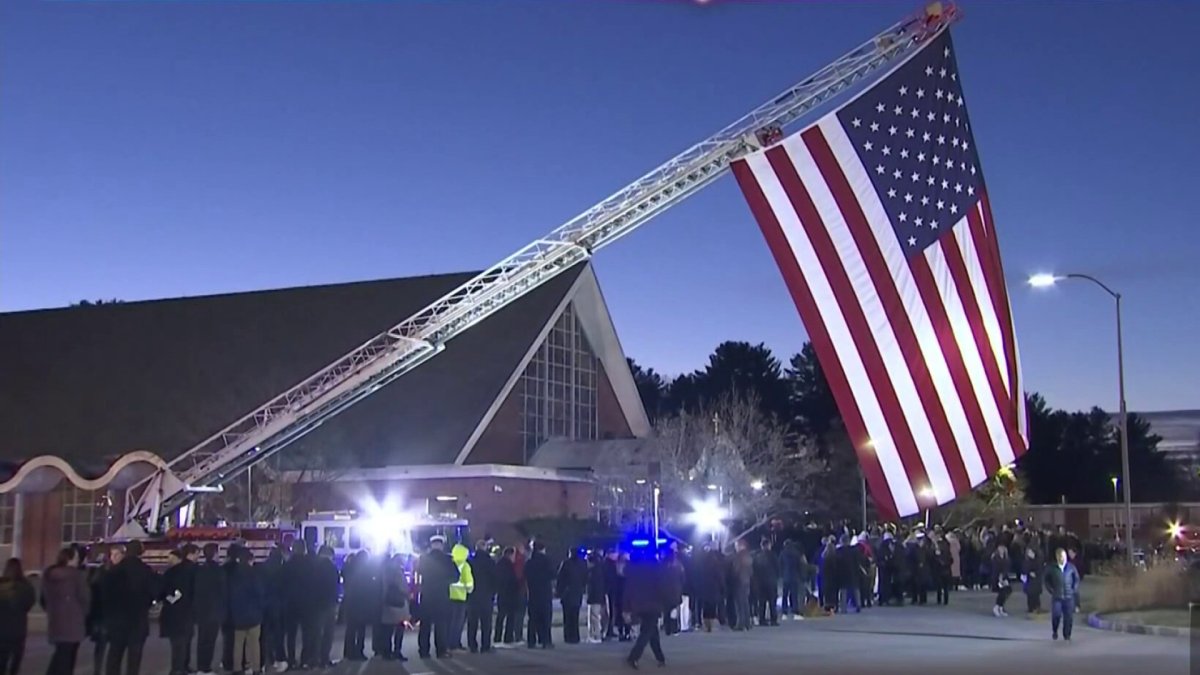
(1177, 618)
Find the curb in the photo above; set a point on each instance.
(1096, 621)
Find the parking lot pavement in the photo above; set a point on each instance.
(930, 640)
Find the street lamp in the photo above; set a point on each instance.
(1047, 280)
(1114, 482)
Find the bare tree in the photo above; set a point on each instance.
(729, 450)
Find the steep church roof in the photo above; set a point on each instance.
(90, 384)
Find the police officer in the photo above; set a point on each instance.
(437, 572)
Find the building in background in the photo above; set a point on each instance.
(97, 397)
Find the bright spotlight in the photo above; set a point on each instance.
(1175, 529)
(1043, 280)
(707, 516)
(756, 485)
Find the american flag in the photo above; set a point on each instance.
(878, 217)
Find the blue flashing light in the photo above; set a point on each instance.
(640, 543)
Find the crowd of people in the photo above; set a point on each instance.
(281, 613)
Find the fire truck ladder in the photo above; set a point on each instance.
(407, 345)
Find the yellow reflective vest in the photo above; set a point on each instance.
(465, 585)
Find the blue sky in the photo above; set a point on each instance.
(164, 149)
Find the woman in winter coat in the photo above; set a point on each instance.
(395, 614)
(1001, 569)
(66, 597)
(1031, 574)
(16, 599)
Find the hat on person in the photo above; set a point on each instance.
(437, 539)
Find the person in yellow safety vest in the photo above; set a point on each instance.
(459, 591)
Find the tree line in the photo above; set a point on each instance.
(1073, 456)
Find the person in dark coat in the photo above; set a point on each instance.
(361, 604)
(130, 589)
(571, 584)
(481, 600)
(437, 571)
(674, 579)
(177, 620)
(742, 569)
(644, 599)
(1031, 575)
(943, 576)
(227, 629)
(793, 572)
(270, 574)
(710, 586)
(65, 597)
(1062, 581)
(1001, 569)
(323, 598)
(16, 599)
(886, 561)
(539, 578)
(766, 584)
(208, 607)
(507, 592)
(296, 607)
(596, 598)
(614, 583)
(829, 576)
(922, 569)
(94, 621)
(246, 607)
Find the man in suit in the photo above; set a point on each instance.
(1062, 581)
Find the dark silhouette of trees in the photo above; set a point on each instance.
(652, 389)
(96, 303)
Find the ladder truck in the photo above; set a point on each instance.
(408, 344)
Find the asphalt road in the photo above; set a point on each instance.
(961, 638)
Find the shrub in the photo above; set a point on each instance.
(1161, 586)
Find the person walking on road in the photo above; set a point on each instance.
(1062, 580)
(644, 599)
(66, 598)
(16, 599)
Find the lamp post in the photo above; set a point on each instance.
(1114, 482)
(1046, 280)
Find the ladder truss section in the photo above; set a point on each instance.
(402, 348)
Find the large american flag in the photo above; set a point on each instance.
(879, 220)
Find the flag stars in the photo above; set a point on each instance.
(933, 224)
(954, 208)
(879, 169)
(892, 193)
(962, 165)
(929, 70)
(925, 200)
(972, 169)
(903, 217)
(942, 72)
(971, 190)
(868, 146)
(954, 141)
(897, 173)
(936, 160)
(941, 139)
(949, 163)
(920, 93)
(946, 118)
(908, 198)
(892, 130)
(887, 151)
(912, 241)
(903, 91)
(903, 153)
(879, 108)
(909, 132)
(939, 94)
(874, 126)
(941, 204)
(920, 221)
(946, 52)
(931, 116)
(856, 122)
(925, 136)
(945, 184)
(930, 181)
(958, 188)
(920, 157)
(916, 176)
(915, 113)
(899, 110)
(964, 145)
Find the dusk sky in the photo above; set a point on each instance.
(152, 150)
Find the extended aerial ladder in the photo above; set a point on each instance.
(410, 343)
